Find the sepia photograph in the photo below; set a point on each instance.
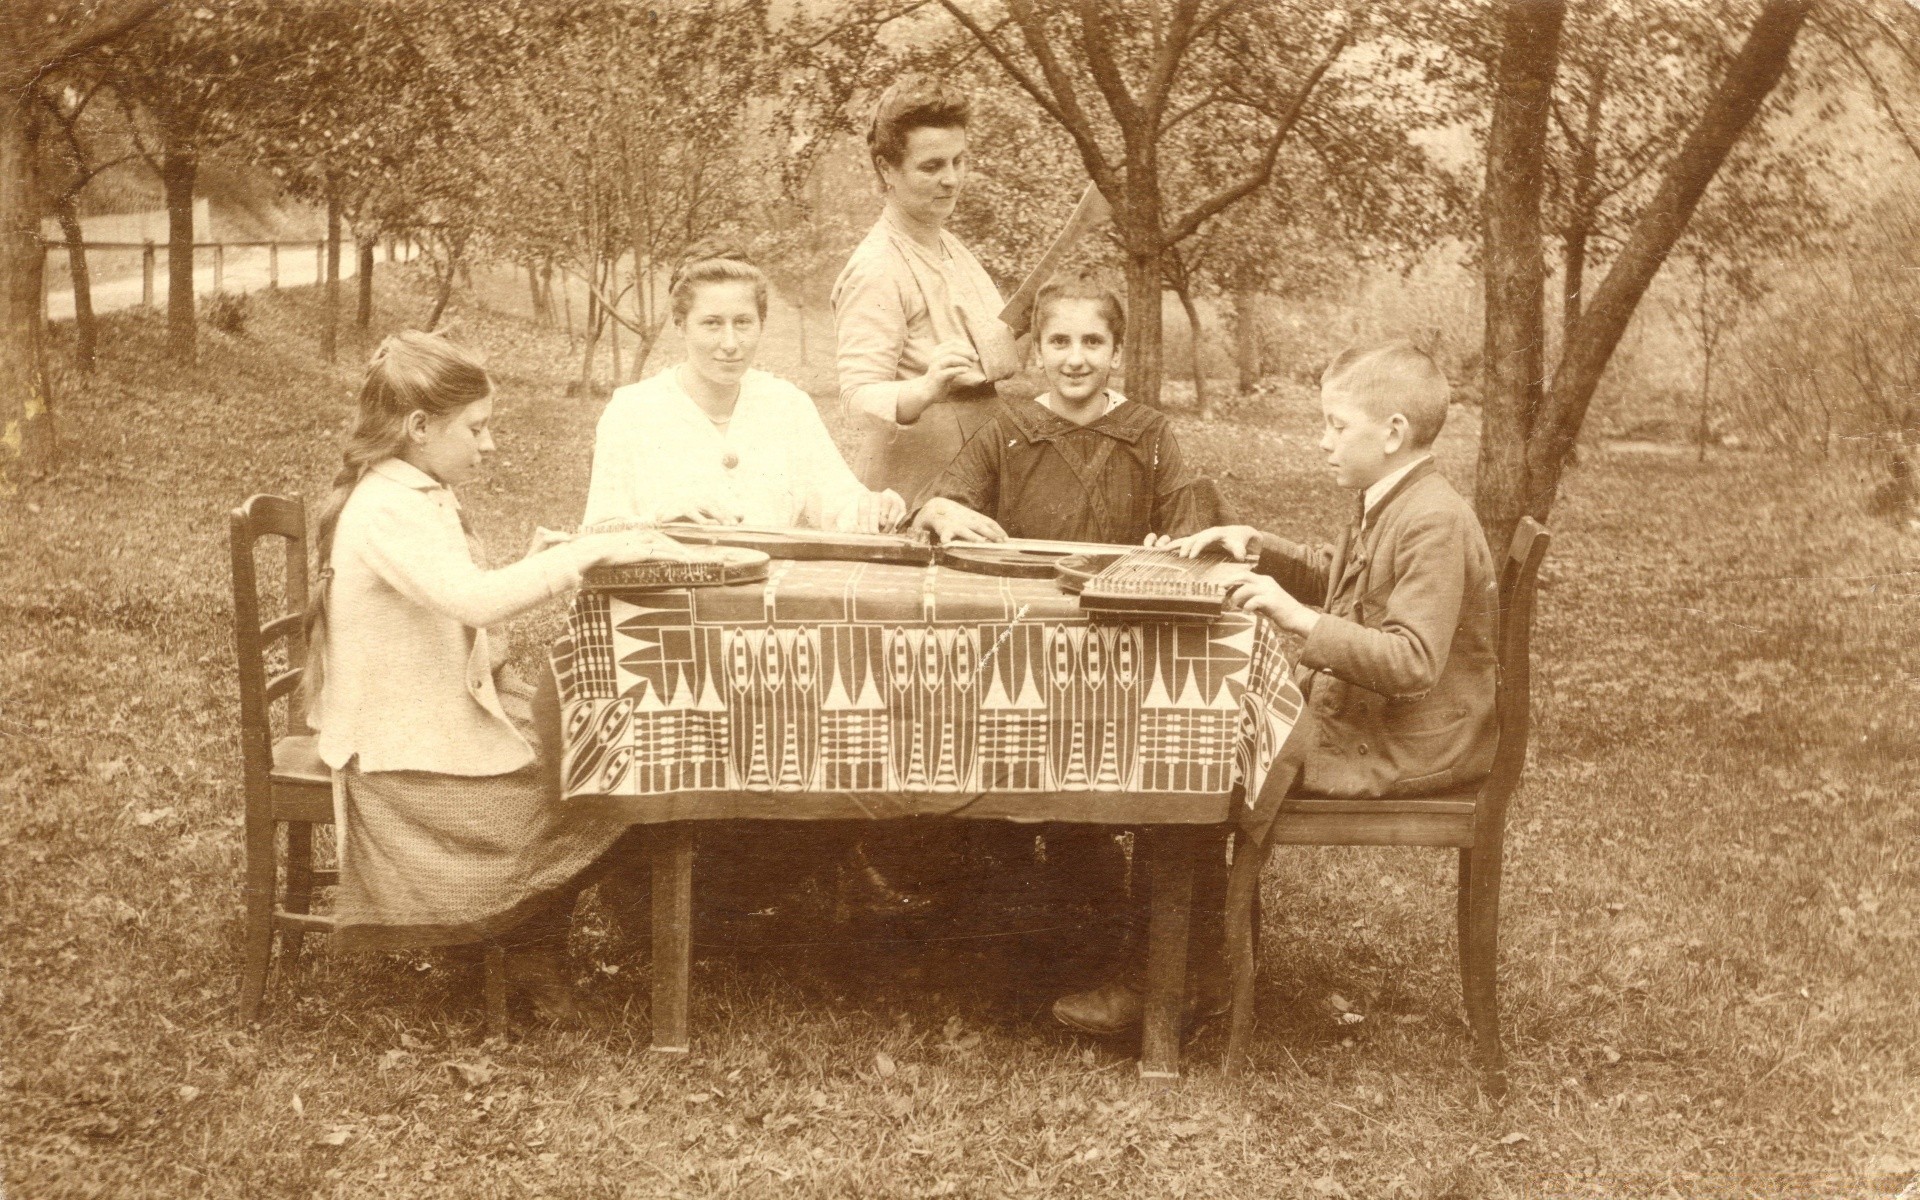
(960, 598)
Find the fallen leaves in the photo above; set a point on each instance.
(956, 1037)
(473, 1074)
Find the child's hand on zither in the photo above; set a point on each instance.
(1239, 541)
(1262, 594)
(950, 521)
(546, 539)
(623, 546)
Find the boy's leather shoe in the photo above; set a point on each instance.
(1106, 1010)
(1114, 1008)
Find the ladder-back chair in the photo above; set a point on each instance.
(286, 783)
(1473, 822)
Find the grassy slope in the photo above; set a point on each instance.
(1710, 957)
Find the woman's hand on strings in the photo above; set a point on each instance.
(704, 512)
(880, 512)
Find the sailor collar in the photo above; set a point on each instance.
(1037, 423)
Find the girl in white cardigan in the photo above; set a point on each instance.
(714, 440)
(449, 827)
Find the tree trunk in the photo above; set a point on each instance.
(330, 300)
(1750, 77)
(1573, 277)
(1513, 264)
(178, 170)
(443, 289)
(1142, 365)
(533, 294)
(85, 336)
(1201, 401)
(26, 414)
(1246, 337)
(1586, 182)
(800, 311)
(585, 385)
(363, 318)
(613, 336)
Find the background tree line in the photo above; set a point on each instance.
(1568, 159)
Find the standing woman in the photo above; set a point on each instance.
(916, 317)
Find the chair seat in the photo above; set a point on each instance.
(1437, 805)
(1443, 820)
(297, 760)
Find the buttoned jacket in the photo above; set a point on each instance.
(1399, 672)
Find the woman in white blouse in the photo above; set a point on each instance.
(713, 439)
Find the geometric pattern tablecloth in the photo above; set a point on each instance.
(889, 690)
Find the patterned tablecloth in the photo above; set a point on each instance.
(836, 690)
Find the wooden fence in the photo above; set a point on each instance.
(399, 249)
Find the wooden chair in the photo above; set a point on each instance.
(286, 783)
(1472, 822)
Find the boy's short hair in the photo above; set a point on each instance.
(1080, 287)
(1393, 377)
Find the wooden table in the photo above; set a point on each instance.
(838, 690)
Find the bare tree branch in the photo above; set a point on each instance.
(103, 28)
(1254, 180)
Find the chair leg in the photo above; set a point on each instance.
(299, 898)
(1243, 947)
(494, 986)
(1479, 931)
(262, 882)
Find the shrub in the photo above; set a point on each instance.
(227, 312)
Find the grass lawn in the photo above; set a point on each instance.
(1710, 957)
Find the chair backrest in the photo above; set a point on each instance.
(1519, 578)
(263, 517)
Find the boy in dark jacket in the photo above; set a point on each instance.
(1398, 617)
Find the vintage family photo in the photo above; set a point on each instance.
(976, 598)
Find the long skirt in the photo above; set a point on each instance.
(437, 860)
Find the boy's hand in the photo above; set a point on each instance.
(951, 521)
(1239, 541)
(1261, 594)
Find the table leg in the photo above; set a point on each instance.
(672, 935)
(1170, 854)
